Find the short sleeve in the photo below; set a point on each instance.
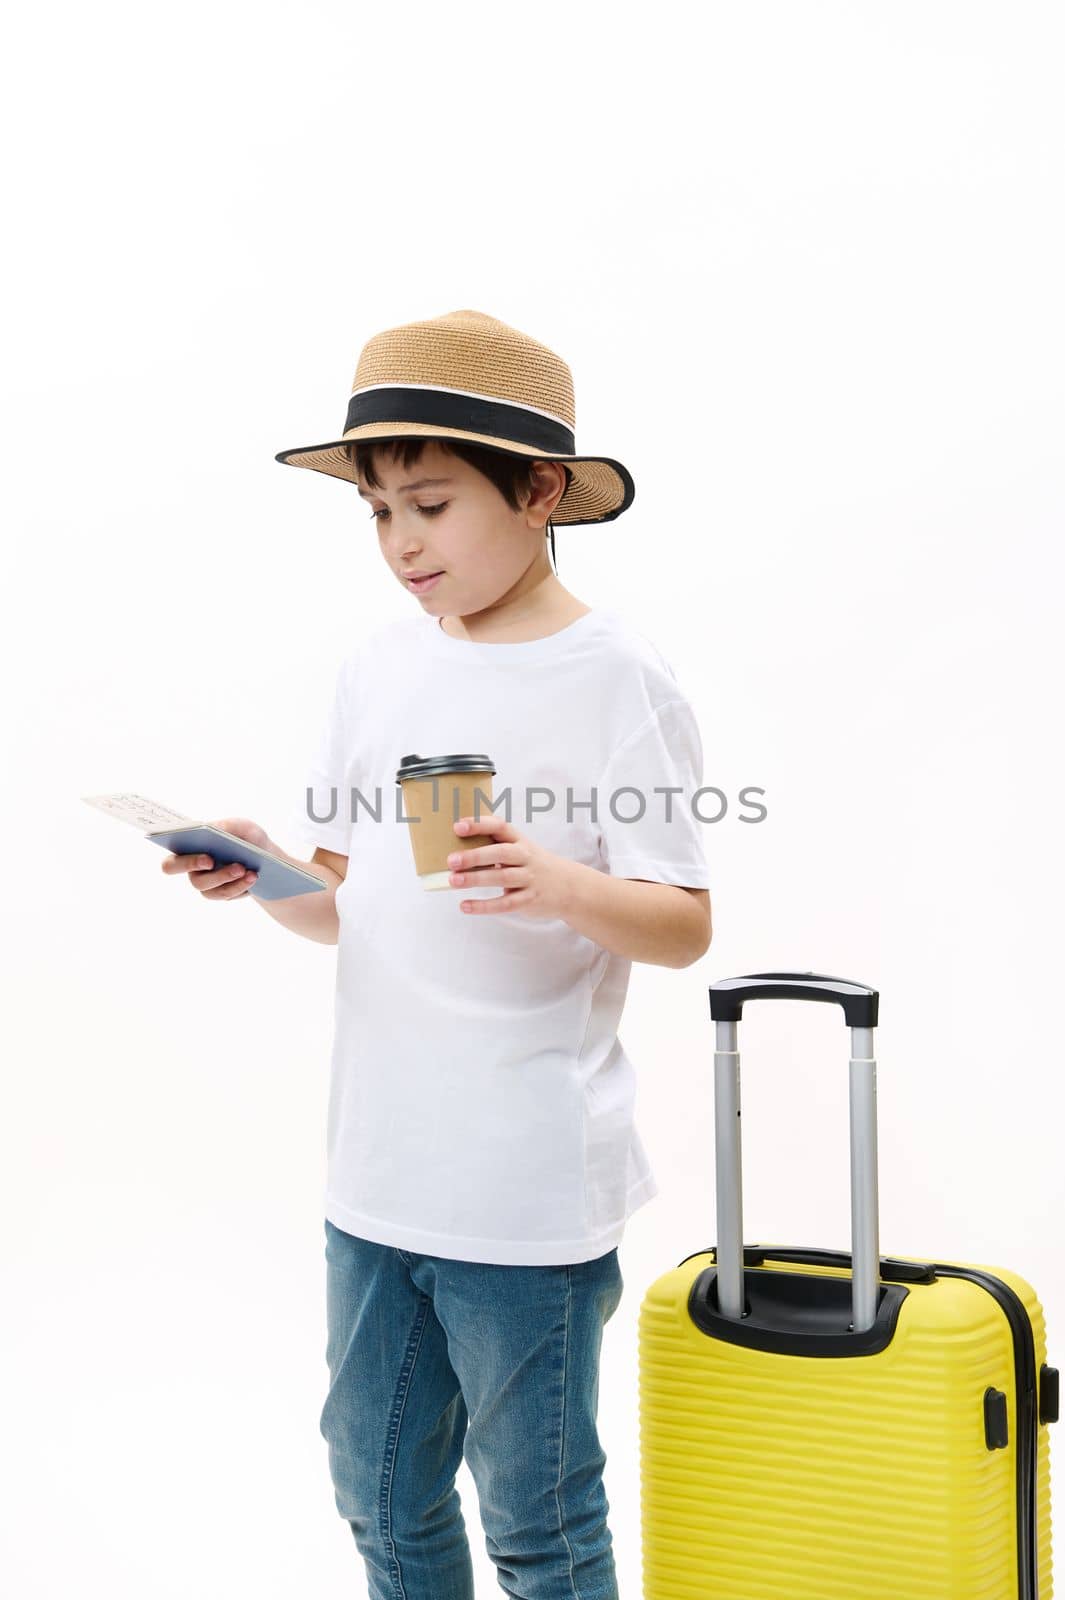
(650, 829)
(323, 815)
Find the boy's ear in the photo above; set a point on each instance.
(549, 476)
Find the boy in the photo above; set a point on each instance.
(482, 1154)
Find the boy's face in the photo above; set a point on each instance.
(481, 547)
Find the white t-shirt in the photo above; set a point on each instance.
(481, 1103)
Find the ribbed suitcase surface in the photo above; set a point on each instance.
(767, 1476)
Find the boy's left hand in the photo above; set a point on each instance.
(535, 881)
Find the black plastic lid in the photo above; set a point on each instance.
(440, 766)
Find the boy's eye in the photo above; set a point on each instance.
(430, 511)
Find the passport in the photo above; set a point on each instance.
(277, 880)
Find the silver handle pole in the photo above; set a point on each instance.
(728, 1166)
(865, 1203)
(865, 1200)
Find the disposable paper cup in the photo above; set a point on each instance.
(437, 791)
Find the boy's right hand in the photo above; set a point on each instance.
(221, 883)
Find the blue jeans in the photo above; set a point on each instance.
(430, 1358)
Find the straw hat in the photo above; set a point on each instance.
(469, 376)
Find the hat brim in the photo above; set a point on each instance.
(599, 489)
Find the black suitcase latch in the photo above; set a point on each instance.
(996, 1431)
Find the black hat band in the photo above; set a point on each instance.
(447, 408)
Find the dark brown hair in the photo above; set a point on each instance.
(511, 474)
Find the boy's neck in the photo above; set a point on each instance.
(541, 611)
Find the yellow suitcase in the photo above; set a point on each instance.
(822, 1426)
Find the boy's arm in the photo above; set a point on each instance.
(665, 924)
(314, 915)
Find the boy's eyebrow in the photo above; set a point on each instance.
(408, 488)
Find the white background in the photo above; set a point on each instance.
(805, 263)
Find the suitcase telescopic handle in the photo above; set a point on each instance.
(860, 1004)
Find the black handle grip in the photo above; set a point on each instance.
(860, 1003)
